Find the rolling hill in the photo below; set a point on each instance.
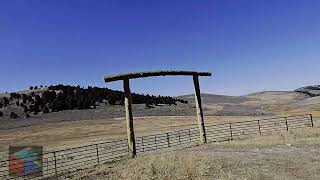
(267, 103)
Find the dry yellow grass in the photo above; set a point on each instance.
(70, 134)
(161, 166)
(55, 136)
(284, 155)
(218, 161)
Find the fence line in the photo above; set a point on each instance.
(71, 159)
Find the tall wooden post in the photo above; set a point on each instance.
(202, 130)
(129, 117)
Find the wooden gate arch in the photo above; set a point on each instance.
(128, 101)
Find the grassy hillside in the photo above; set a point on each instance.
(63, 103)
(269, 103)
(256, 104)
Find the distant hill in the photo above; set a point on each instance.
(64, 97)
(68, 103)
(255, 104)
(311, 91)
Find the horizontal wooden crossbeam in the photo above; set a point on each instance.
(153, 73)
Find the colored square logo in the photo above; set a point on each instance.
(25, 161)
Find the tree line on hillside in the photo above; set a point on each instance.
(65, 97)
(311, 91)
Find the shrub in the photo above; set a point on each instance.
(27, 115)
(5, 101)
(25, 109)
(15, 95)
(45, 109)
(13, 115)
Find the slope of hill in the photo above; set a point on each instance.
(60, 103)
(213, 98)
(256, 104)
(260, 103)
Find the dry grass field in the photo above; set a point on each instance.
(285, 155)
(291, 155)
(55, 136)
(70, 132)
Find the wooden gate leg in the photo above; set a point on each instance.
(203, 137)
(129, 117)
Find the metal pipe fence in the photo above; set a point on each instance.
(76, 158)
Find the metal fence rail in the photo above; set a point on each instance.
(167, 140)
(72, 159)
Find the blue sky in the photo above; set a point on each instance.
(249, 46)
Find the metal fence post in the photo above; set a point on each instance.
(231, 137)
(189, 136)
(62, 161)
(259, 127)
(142, 144)
(286, 123)
(168, 139)
(155, 140)
(311, 120)
(46, 165)
(55, 163)
(97, 153)
(179, 136)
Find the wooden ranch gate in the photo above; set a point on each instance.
(128, 101)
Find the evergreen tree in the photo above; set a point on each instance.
(27, 116)
(5, 101)
(24, 98)
(13, 115)
(15, 95)
(45, 109)
(25, 109)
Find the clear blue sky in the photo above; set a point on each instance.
(248, 45)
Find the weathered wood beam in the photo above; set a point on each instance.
(202, 130)
(153, 73)
(129, 117)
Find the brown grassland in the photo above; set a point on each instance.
(56, 136)
(284, 155)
